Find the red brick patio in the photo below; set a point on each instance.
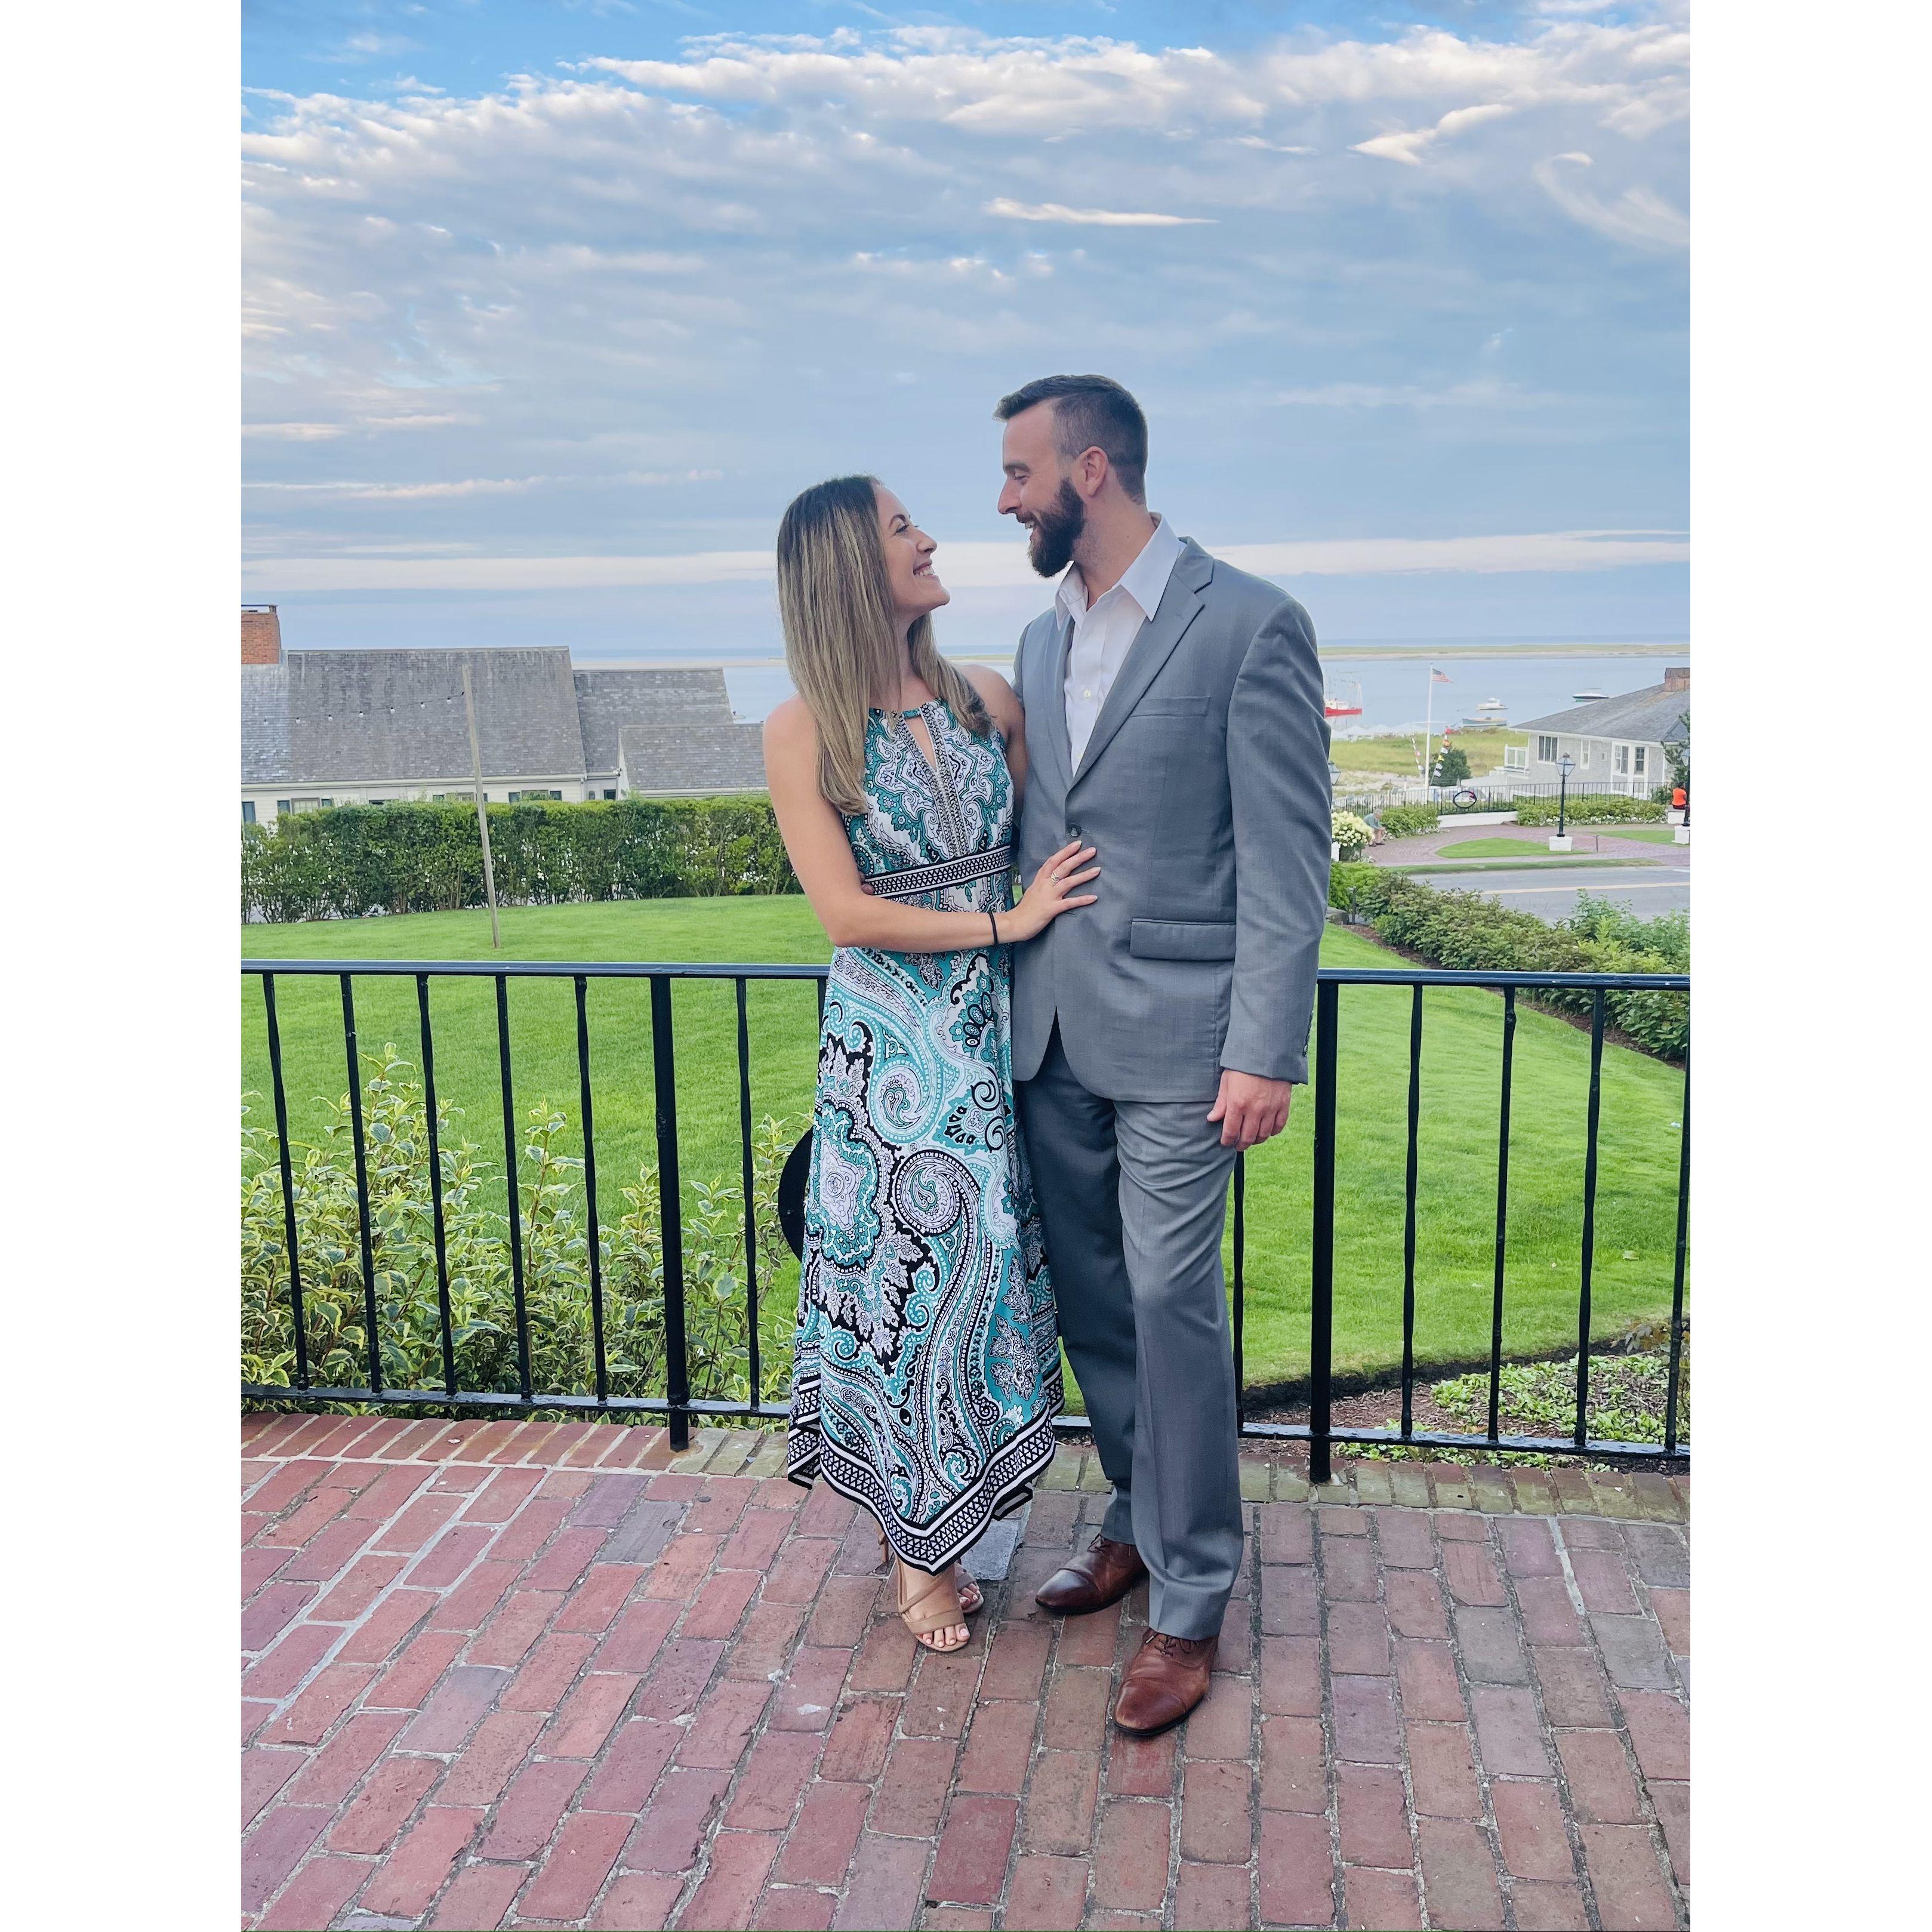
(519, 1675)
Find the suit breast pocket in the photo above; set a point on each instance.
(1180, 705)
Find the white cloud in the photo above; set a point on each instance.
(1094, 217)
(1408, 146)
(1637, 216)
(979, 565)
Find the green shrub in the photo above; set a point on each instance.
(1465, 932)
(1452, 767)
(353, 860)
(1593, 809)
(556, 1273)
(1405, 821)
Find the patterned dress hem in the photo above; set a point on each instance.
(1006, 1484)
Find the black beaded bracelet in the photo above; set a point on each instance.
(995, 925)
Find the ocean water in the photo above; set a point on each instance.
(1393, 692)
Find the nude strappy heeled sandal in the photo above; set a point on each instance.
(972, 1599)
(929, 1605)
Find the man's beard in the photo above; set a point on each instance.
(1055, 532)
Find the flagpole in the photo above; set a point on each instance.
(1428, 727)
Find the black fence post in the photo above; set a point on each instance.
(670, 1209)
(1322, 1304)
(362, 1212)
(289, 1234)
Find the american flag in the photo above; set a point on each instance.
(1440, 676)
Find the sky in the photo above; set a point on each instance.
(549, 308)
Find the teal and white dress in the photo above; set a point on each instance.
(926, 1374)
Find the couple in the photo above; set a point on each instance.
(1028, 1108)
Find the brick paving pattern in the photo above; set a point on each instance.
(518, 1674)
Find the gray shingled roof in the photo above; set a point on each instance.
(394, 717)
(1646, 716)
(694, 758)
(608, 700)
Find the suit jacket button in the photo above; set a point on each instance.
(1073, 834)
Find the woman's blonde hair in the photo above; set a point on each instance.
(835, 603)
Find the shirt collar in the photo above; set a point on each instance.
(1144, 580)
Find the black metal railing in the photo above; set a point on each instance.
(678, 1406)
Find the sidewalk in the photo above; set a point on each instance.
(1590, 841)
(522, 1675)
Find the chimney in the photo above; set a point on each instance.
(1677, 677)
(261, 635)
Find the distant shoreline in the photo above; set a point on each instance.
(1391, 653)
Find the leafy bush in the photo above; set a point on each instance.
(354, 859)
(556, 1274)
(1405, 821)
(1351, 833)
(1593, 809)
(1465, 932)
(1452, 767)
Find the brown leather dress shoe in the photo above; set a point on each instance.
(1166, 1678)
(1101, 1574)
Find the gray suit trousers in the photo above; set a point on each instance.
(1134, 1196)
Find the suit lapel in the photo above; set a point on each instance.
(1180, 605)
(1053, 649)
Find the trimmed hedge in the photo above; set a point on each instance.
(1405, 821)
(353, 860)
(1593, 809)
(1465, 932)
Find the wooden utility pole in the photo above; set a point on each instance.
(482, 816)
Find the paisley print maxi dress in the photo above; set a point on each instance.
(926, 1374)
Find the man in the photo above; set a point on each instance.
(1174, 721)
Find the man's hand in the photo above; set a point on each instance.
(1250, 1109)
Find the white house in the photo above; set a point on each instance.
(1613, 743)
(374, 727)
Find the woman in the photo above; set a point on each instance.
(926, 1374)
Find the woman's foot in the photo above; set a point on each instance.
(930, 1608)
(971, 1599)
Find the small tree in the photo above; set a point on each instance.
(1452, 767)
(1678, 756)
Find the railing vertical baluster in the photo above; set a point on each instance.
(590, 1196)
(356, 1140)
(436, 1190)
(1322, 1304)
(510, 1175)
(288, 1181)
(1240, 1291)
(1589, 1217)
(1502, 1213)
(1677, 1282)
(670, 1205)
(1408, 1215)
(751, 1204)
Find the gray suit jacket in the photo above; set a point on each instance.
(1204, 789)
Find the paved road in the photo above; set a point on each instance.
(1552, 895)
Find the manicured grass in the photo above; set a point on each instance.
(1455, 1199)
(1495, 848)
(1651, 835)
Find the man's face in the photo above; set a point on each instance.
(1038, 494)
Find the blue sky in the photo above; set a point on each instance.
(549, 308)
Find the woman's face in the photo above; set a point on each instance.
(916, 589)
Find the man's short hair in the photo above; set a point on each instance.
(1092, 412)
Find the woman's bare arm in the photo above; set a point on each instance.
(1003, 701)
(821, 856)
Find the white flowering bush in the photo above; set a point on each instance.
(1352, 834)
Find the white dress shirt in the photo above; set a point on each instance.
(1103, 630)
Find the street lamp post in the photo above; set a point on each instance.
(1565, 766)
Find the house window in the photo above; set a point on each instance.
(1623, 761)
(305, 804)
(610, 791)
(518, 796)
(1642, 760)
(248, 811)
(1545, 751)
(1516, 758)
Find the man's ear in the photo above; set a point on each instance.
(1090, 470)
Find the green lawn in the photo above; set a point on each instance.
(1494, 848)
(1636, 1196)
(1651, 835)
